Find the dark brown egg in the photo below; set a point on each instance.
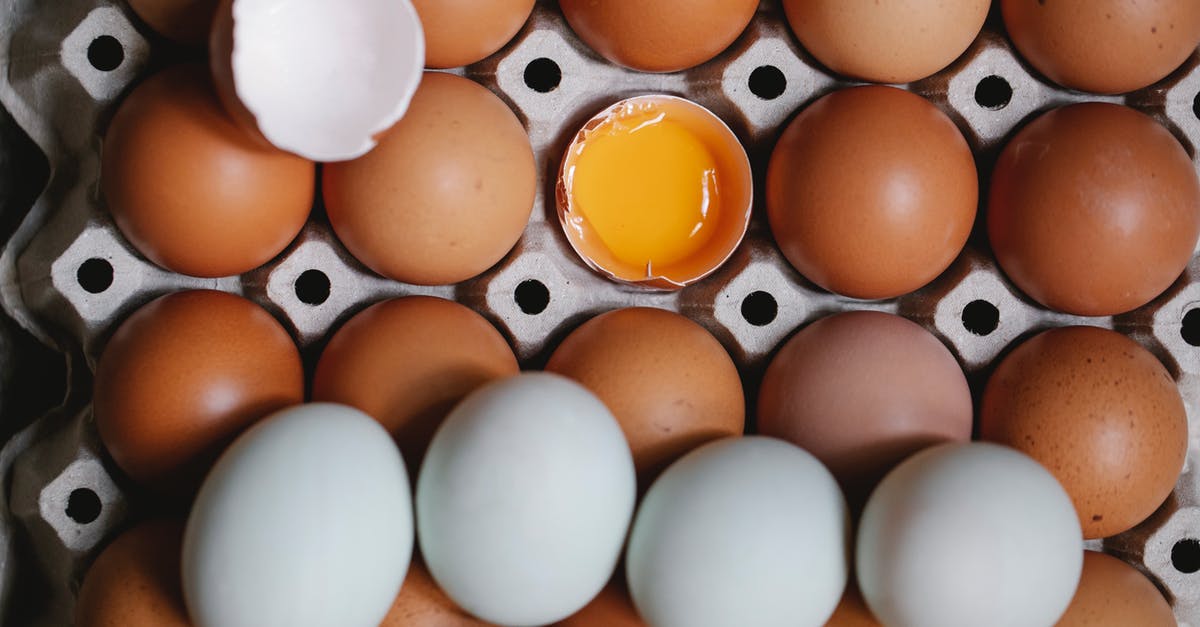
(183, 376)
(135, 581)
(184, 21)
(1101, 413)
(421, 603)
(1094, 209)
(611, 608)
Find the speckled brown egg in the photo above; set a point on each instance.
(871, 192)
(659, 36)
(446, 193)
(461, 32)
(183, 21)
(668, 381)
(183, 376)
(1101, 413)
(611, 608)
(190, 190)
(135, 580)
(861, 391)
(1112, 593)
(1104, 46)
(1094, 209)
(893, 41)
(421, 603)
(407, 362)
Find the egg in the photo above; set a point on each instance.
(422, 604)
(383, 362)
(305, 521)
(611, 608)
(445, 195)
(668, 381)
(740, 531)
(852, 611)
(894, 41)
(462, 32)
(524, 500)
(968, 534)
(871, 192)
(1098, 410)
(1143, 42)
(1114, 594)
(661, 36)
(863, 390)
(189, 189)
(182, 377)
(135, 580)
(1094, 209)
(183, 21)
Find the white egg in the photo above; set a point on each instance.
(524, 499)
(969, 534)
(306, 520)
(743, 531)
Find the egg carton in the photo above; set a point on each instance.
(68, 277)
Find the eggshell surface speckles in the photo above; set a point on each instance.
(1098, 410)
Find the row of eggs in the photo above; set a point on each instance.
(860, 392)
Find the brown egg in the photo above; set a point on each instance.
(871, 192)
(1101, 413)
(135, 581)
(183, 376)
(668, 381)
(407, 362)
(852, 611)
(660, 36)
(862, 391)
(461, 32)
(1094, 209)
(447, 192)
(1114, 594)
(421, 603)
(611, 608)
(183, 21)
(190, 190)
(1143, 42)
(896, 41)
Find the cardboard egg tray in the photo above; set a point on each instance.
(68, 278)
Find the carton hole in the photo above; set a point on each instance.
(312, 287)
(1190, 327)
(105, 53)
(993, 92)
(1196, 106)
(532, 297)
(94, 275)
(767, 82)
(759, 308)
(543, 75)
(83, 506)
(1185, 556)
(980, 317)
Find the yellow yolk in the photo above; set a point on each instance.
(647, 187)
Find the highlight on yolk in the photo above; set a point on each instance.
(655, 190)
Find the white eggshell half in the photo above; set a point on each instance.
(305, 521)
(524, 500)
(742, 531)
(969, 534)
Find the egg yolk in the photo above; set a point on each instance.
(647, 186)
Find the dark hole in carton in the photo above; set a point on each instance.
(1190, 327)
(759, 308)
(532, 297)
(312, 287)
(95, 275)
(1185, 556)
(83, 506)
(105, 53)
(542, 75)
(1196, 106)
(993, 92)
(767, 82)
(980, 317)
